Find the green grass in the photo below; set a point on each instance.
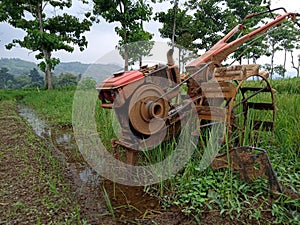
(37, 175)
(54, 105)
(198, 192)
(287, 86)
(15, 95)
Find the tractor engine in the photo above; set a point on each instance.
(141, 102)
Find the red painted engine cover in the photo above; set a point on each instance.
(121, 79)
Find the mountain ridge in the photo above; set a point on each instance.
(18, 67)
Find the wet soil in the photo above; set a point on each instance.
(33, 188)
(45, 180)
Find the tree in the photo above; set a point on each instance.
(22, 81)
(274, 40)
(290, 41)
(294, 65)
(204, 22)
(6, 79)
(280, 70)
(238, 10)
(129, 14)
(139, 46)
(87, 83)
(66, 79)
(179, 32)
(36, 79)
(45, 33)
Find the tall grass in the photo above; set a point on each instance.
(200, 191)
(196, 190)
(54, 105)
(287, 86)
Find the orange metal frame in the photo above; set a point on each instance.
(222, 49)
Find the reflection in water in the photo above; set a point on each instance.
(39, 126)
(123, 198)
(63, 140)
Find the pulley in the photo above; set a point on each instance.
(147, 111)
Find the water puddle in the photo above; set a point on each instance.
(89, 175)
(129, 203)
(39, 126)
(63, 140)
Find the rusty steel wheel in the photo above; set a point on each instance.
(254, 107)
(147, 111)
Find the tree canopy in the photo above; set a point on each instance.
(199, 25)
(6, 79)
(46, 32)
(130, 15)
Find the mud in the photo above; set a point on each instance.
(129, 205)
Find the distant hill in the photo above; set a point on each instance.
(97, 71)
(19, 67)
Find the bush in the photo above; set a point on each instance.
(87, 83)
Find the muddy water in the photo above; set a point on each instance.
(62, 139)
(129, 203)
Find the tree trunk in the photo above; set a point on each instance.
(140, 61)
(272, 61)
(47, 55)
(284, 62)
(48, 75)
(174, 24)
(126, 57)
(297, 68)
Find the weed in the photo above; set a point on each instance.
(108, 204)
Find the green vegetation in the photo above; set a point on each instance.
(33, 188)
(26, 75)
(45, 33)
(200, 193)
(55, 106)
(17, 67)
(185, 24)
(286, 86)
(204, 195)
(130, 15)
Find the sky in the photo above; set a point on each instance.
(102, 38)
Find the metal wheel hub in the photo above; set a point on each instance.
(147, 111)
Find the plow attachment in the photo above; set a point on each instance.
(252, 163)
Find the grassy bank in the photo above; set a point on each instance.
(207, 195)
(34, 187)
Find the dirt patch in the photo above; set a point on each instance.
(39, 185)
(36, 186)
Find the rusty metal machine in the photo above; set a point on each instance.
(148, 101)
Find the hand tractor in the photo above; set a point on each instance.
(149, 103)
